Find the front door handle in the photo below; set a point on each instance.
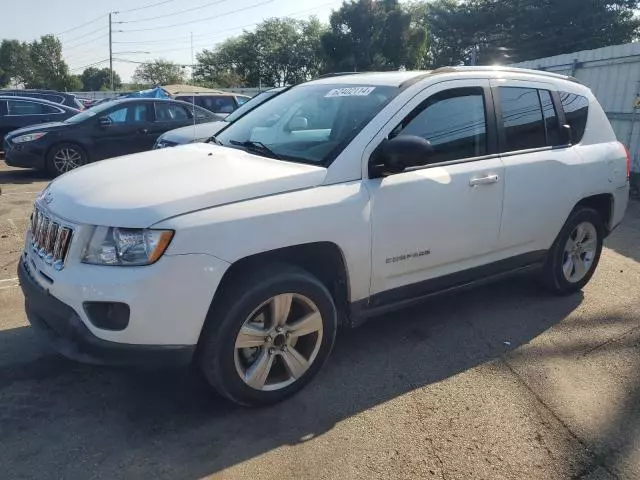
(488, 180)
(144, 130)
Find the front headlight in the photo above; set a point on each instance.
(29, 137)
(126, 246)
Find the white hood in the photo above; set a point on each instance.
(142, 189)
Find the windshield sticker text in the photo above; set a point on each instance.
(350, 92)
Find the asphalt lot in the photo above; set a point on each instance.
(503, 382)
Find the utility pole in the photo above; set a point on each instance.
(192, 63)
(110, 52)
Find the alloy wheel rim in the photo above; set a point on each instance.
(67, 159)
(278, 342)
(580, 252)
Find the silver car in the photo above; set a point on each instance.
(204, 131)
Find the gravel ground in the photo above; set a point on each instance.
(503, 382)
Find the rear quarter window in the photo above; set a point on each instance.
(576, 110)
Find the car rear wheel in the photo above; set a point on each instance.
(575, 254)
(269, 335)
(65, 157)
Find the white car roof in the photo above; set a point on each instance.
(392, 79)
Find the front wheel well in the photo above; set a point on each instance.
(603, 204)
(324, 260)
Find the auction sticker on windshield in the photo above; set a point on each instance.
(350, 92)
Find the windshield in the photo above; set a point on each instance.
(251, 104)
(90, 112)
(309, 123)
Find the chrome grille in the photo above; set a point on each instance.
(49, 238)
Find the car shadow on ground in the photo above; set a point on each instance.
(624, 240)
(22, 176)
(59, 419)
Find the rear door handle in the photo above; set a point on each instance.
(488, 180)
(144, 130)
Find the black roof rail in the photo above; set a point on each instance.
(337, 74)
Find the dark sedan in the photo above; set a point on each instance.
(19, 112)
(54, 96)
(115, 128)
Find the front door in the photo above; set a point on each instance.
(442, 218)
(126, 131)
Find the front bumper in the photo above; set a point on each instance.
(70, 336)
(26, 156)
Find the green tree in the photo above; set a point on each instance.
(159, 72)
(374, 35)
(507, 31)
(94, 79)
(15, 62)
(278, 52)
(48, 69)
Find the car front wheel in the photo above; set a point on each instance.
(268, 336)
(65, 157)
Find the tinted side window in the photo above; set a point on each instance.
(522, 118)
(201, 113)
(167, 112)
(129, 114)
(453, 121)
(576, 109)
(222, 104)
(19, 107)
(551, 124)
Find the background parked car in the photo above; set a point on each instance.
(204, 131)
(219, 103)
(50, 95)
(115, 128)
(18, 112)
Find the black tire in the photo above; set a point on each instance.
(54, 166)
(553, 276)
(242, 296)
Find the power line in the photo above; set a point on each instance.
(218, 32)
(156, 4)
(79, 26)
(255, 5)
(82, 44)
(89, 65)
(175, 13)
(101, 29)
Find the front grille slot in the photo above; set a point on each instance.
(49, 238)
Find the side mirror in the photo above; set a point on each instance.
(565, 135)
(399, 153)
(104, 121)
(297, 123)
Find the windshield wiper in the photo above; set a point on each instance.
(213, 139)
(257, 147)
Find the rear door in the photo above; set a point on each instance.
(541, 173)
(169, 116)
(126, 130)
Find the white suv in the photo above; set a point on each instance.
(339, 199)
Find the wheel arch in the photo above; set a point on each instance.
(603, 203)
(324, 260)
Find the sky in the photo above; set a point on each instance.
(150, 29)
